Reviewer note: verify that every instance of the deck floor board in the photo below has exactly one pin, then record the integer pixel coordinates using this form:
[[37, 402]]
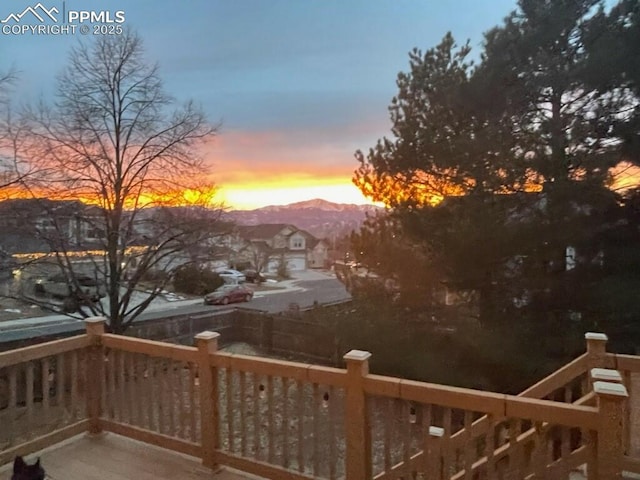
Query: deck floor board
[[112, 457]]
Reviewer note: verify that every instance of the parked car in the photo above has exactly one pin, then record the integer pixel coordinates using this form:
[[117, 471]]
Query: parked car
[[60, 287], [228, 294], [230, 275]]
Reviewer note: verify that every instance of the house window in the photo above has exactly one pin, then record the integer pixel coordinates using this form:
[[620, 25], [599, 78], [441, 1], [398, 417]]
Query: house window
[[47, 224], [297, 243], [95, 233]]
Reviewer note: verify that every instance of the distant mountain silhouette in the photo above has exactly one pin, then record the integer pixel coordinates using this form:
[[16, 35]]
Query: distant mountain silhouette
[[319, 217]]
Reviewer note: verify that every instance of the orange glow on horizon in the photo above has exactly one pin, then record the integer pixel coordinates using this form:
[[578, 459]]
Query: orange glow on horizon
[[236, 196], [248, 196], [291, 188]]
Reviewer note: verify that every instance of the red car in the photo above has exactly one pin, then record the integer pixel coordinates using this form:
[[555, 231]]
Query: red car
[[228, 294]]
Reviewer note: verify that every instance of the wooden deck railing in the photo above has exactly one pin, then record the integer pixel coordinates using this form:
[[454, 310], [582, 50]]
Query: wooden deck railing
[[42, 395], [289, 420], [628, 367]]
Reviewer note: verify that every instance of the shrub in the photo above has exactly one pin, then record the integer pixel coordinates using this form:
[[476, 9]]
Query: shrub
[[154, 275], [194, 280]]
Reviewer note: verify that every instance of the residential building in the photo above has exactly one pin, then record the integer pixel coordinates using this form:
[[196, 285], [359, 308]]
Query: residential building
[[269, 246], [43, 225]]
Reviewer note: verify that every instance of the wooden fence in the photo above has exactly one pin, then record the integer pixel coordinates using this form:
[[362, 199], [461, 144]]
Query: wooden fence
[[289, 420]]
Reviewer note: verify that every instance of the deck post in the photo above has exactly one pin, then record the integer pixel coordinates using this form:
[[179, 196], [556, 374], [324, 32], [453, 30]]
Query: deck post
[[207, 343], [432, 453], [94, 372], [610, 445], [596, 349], [357, 427]]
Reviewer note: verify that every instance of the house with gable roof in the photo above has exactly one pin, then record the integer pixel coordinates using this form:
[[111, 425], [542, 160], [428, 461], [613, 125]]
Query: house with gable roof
[[42, 225], [267, 246]]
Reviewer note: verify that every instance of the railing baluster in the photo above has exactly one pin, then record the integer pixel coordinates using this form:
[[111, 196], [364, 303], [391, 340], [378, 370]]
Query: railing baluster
[[164, 399], [490, 447], [242, 378], [113, 385], [426, 440], [122, 404], [333, 420], [469, 446], [406, 427], [446, 439], [229, 407], [111, 374], [256, 416], [285, 422], [60, 382], [316, 429], [550, 449], [271, 421], [584, 385], [538, 456], [565, 436], [173, 400], [387, 425], [45, 385], [182, 408], [150, 397], [626, 380], [160, 396], [29, 390], [85, 372], [140, 386], [300, 408], [131, 388], [515, 455], [192, 404], [13, 401], [75, 402], [104, 391], [163, 408], [433, 444]]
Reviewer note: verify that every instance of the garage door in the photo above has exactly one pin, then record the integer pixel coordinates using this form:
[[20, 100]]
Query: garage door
[[296, 264]]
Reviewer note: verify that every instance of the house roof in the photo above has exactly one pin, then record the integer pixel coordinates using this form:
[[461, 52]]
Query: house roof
[[259, 244], [33, 207], [311, 240], [264, 231]]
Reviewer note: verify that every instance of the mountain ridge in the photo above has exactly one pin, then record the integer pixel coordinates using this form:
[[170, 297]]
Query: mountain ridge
[[321, 218]]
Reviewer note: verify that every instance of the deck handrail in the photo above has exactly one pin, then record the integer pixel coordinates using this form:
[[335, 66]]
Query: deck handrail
[[48, 349], [194, 400]]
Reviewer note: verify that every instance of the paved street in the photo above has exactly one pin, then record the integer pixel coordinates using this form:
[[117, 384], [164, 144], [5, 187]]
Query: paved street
[[307, 288]]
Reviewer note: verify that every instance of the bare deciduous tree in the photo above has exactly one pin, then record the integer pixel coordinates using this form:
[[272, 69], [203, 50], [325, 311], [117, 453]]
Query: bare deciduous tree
[[14, 167], [259, 254], [113, 138]]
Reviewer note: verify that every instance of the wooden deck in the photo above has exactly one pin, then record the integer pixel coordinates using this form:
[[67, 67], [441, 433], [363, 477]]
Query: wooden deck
[[280, 419], [112, 457]]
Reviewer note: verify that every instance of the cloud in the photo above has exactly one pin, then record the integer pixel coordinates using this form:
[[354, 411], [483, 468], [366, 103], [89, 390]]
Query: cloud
[[265, 156]]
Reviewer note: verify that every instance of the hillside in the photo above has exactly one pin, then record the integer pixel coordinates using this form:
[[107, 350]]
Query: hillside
[[319, 217]]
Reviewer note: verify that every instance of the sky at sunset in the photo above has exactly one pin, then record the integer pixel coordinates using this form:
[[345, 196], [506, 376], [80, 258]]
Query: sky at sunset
[[298, 85]]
